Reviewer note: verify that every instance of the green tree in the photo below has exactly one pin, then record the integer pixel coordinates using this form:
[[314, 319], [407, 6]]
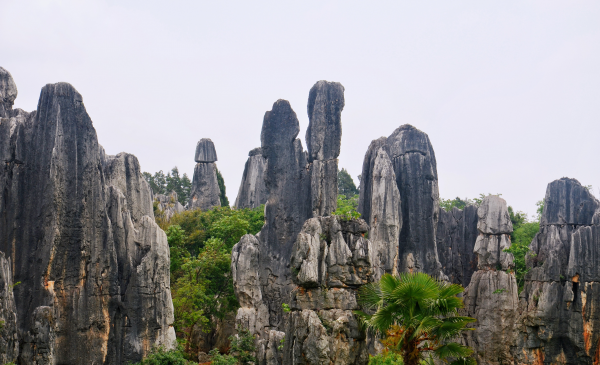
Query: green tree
[[418, 315], [457, 202], [346, 184], [346, 207], [222, 194], [242, 351], [204, 290], [172, 181]]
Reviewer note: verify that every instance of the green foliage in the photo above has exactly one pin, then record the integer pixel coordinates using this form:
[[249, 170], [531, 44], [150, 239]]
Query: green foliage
[[540, 209], [200, 246], [346, 185], [164, 184], [160, 356], [457, 202], [523, 235], [418, 315], [203, 290], [346, 207], [243, 347], [222, 194], [286, 308], [220, 222], [218, 359], [499, 291], [242, 350], [386, 358]]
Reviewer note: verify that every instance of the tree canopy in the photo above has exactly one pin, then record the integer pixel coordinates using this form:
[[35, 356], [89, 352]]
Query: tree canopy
[[346, 185], [172, 181], [418, 316]]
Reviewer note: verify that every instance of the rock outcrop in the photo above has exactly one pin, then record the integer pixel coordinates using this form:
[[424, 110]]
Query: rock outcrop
[[205, 187], [169, 205], [298, 188], [492, 294], [455, 239], [331, 259], [9, 340], [253, 191], [413, 159], [559, 321], [79, 229]]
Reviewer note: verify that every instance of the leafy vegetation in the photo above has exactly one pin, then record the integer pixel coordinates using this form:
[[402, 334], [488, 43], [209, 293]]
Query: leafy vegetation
[[200, 244], [418, 315], [346, 185], [160, 356], [346, 207], [242, 350], [164, 184], [523, 233], [222, 194]]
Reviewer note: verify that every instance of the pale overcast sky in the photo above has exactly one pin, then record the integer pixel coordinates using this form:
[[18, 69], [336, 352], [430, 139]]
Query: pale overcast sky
[[508, 91]]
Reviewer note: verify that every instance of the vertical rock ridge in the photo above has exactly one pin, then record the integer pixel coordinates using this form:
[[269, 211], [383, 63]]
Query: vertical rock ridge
[[558, 322], [58, 189], [296, 190], [253, 192], [455, 239], [492, 294], [205, 190]]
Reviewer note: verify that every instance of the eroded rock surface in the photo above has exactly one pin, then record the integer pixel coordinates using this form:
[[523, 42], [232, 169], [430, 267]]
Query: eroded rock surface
[[98, 292], [205, 187], [456, 236], [331, 259], [205, 151], [297, 190], [253, 191], [492, 294], [169, 205], [413, 160], [559, 321], [9, 340]]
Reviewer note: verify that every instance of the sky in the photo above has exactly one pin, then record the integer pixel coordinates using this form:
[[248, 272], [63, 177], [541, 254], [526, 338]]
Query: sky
[[508, 91]]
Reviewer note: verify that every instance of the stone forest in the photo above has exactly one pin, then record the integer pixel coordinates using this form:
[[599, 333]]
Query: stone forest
[[97, 266]]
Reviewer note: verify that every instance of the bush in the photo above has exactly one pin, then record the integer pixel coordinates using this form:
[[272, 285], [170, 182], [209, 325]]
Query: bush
[[160, 356], [386, 358], [346, 207]]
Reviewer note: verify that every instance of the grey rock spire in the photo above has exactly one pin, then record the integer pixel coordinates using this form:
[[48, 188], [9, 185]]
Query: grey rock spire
[[296, 191], [205, 187], [205, 151], [558, 323], [253, 190], [492, 295], [413, 160], [8, 93], [99, 290]]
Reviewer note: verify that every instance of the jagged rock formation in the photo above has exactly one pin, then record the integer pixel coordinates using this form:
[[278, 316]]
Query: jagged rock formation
[[297, 189], [385, 214], [253, 191], [492, 294], [79, 229], [9, 341], [205, 188], [415, 169], [331, 259], [455, 239], [168, 204], [205, 151], [559, 321]]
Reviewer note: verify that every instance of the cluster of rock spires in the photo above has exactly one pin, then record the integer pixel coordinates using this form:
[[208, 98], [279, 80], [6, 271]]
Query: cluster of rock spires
[[77, 231], [315, 262]]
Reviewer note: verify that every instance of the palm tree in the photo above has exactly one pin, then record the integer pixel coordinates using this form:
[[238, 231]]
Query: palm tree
[[419, 316]]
